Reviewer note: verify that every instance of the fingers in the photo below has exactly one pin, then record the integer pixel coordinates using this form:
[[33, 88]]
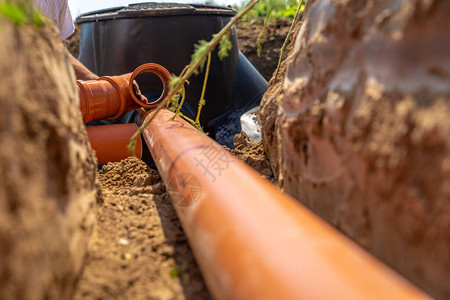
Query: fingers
[[138, 93]]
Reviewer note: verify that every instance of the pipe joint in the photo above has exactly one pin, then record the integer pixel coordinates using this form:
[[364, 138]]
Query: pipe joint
[[159, 71]]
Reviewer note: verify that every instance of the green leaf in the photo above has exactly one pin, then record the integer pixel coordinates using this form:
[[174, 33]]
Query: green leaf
[[38, 18], [200, 50], [174, 81], [17, 14], [225, 46], [175, 103], [175, 273], [21, 13]]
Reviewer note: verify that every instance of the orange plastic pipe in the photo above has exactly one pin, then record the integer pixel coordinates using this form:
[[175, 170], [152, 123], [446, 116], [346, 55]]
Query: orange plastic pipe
[[252, 241], [158, 70], [106, 97], [112, 96], [110, 141]]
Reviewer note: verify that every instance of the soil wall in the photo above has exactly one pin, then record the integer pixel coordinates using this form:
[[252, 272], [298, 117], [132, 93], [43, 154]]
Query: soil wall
[[360, 130], [271, 42], [47, 170]]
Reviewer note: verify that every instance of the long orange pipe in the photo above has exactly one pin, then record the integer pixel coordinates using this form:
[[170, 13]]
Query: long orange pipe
[[252, 241]]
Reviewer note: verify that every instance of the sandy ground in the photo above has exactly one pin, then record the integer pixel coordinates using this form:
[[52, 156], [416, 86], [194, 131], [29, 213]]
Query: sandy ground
[[138, 250]]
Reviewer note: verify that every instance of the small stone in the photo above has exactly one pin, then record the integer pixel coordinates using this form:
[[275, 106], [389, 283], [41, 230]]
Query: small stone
[[124, 242], [140, 181], [158, 188], [166, 251], [128, 256]]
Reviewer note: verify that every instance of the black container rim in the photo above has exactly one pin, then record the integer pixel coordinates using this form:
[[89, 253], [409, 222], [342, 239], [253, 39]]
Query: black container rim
[[145, 9]]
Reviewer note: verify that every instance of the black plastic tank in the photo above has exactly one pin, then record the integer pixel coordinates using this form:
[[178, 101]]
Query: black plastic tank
[[117, 40]]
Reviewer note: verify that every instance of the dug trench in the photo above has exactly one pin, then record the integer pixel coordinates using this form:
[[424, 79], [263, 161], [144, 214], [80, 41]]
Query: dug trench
[[371, 125]]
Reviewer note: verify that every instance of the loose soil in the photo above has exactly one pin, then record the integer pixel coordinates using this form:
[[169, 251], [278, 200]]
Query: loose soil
[[252, 154], [138, 250], [370, 154], [271, 43]]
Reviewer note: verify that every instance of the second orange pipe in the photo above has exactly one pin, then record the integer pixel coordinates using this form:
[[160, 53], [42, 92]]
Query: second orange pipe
[[110, 142]]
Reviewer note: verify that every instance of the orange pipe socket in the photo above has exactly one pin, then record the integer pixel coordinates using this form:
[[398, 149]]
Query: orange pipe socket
[[110, 141], [252, 241], [112, 96]]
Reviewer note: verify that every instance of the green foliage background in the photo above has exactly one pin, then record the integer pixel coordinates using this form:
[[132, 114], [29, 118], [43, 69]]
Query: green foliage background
[[280, 9], [21, 12]]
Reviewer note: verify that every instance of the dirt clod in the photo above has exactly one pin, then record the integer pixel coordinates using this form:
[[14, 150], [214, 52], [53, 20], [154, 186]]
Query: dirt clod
[[252, 153]]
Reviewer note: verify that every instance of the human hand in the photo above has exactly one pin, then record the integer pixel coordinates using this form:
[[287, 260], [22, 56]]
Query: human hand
[[138, 94]]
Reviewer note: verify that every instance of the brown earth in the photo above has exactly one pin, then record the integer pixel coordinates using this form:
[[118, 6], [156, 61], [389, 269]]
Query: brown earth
[[252, 154], [48, 178], [361, 132], [271, 43], [138, 250], [73, 42], [369, 152]]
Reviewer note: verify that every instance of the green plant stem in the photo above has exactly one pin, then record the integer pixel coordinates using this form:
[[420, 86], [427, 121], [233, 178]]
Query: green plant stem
[[266, 21], [202, 97], [191, 70], [183, 96], [189, 120], [192, 122], [286, 41]]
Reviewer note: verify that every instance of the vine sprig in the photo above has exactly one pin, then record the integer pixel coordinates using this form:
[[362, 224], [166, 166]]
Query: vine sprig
[[261, 34], [288, 37]]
